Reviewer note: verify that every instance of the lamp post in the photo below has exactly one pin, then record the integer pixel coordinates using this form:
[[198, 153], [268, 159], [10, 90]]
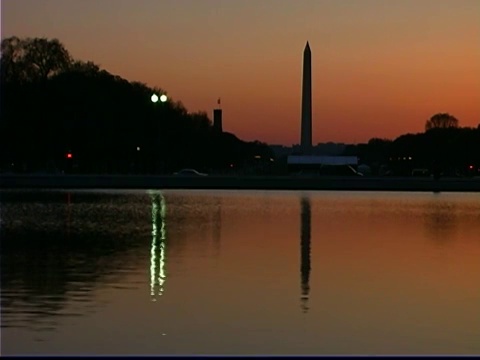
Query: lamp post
[[155, 99]]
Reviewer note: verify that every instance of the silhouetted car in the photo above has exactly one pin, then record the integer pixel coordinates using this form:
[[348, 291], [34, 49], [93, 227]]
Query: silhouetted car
[[189, 172]]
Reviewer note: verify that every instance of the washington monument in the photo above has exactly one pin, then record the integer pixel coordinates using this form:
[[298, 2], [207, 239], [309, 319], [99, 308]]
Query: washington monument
[[306, 131]]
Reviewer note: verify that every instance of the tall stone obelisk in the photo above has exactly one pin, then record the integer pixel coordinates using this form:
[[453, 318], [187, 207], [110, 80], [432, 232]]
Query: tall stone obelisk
[[306, 131]]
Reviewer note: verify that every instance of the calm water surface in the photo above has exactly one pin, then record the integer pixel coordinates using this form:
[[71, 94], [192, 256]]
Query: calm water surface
[[219, 272]]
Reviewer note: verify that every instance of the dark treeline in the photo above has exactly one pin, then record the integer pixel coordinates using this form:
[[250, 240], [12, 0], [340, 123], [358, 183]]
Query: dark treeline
[[53, 105], [444, 146]]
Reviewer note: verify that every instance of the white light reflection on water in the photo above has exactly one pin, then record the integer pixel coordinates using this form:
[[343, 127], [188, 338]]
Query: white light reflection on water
[[157, 269], [298, 273]]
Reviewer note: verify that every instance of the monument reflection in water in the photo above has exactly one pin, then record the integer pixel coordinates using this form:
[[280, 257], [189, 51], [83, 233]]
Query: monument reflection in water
[[305, 221], [225, 272]]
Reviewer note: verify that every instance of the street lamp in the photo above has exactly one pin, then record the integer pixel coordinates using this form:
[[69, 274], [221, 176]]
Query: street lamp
[[163, 98]]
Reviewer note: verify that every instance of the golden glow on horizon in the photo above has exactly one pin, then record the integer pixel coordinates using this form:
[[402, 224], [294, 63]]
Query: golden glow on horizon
[[380, 69]]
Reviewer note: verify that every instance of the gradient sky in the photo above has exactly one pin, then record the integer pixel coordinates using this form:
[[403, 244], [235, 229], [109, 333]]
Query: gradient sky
[[380, 68]]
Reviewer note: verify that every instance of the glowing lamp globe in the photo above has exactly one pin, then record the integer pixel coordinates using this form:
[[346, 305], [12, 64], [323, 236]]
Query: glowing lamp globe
[[154, 98], [163, 98]]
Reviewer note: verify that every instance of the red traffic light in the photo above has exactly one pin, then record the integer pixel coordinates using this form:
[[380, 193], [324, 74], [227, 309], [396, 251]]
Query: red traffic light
[[69, 155]]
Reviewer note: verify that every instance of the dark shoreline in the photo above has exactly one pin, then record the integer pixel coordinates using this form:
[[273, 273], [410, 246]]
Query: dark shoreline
[[238, 183]]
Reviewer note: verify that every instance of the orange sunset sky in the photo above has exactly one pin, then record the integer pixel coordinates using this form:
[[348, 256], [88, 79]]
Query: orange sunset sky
[[380, 68]]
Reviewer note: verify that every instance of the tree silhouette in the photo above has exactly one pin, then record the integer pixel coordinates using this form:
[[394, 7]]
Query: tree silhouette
[[53, 104], [33, 59], [441, 121], [11, 62]]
